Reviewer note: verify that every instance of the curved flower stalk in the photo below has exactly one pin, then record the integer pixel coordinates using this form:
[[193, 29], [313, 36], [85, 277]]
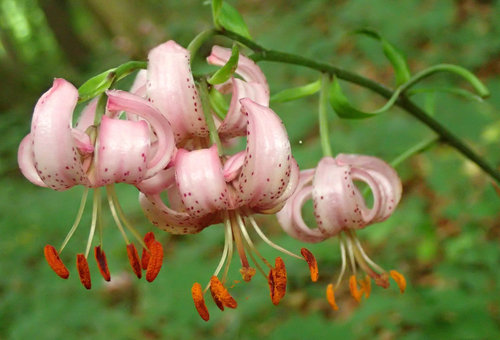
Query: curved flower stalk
[[257, 180], [254, 86], [58, 156], [340, 209]]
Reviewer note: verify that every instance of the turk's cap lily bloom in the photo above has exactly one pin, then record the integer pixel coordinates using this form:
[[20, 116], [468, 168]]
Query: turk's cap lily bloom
[[204, 189], [340, 209], [93, 154], [253, 85]]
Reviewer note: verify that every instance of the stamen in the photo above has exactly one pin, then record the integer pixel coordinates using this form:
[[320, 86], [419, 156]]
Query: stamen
[[148, 239], [268, 241], [330, 297], [199, 301], [382, 280], [344, 262], [155, 261], [400, 280], [277, 281], [83, 270], [311, 261], [94, 221], [119, 209], [102, 263], [366, 286], [133, 258], [351, 256], [365, 257], [353, 287], [228, 243], [220, 294], [252, 246], [77, 219], [246, 271], [55, 262], [115, 216]]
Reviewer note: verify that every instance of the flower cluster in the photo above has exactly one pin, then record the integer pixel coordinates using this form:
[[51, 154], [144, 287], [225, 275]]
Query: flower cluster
[[157, 137]]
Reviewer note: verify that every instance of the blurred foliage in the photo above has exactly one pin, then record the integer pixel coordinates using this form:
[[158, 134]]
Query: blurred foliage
[[444, 236]]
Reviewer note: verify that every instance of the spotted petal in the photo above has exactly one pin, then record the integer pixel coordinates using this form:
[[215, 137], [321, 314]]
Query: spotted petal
[[171, 88]]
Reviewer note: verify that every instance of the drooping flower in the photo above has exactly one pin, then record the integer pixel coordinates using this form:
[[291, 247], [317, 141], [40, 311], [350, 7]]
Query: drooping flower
[[204, 189], [93, 154], [340, 209]]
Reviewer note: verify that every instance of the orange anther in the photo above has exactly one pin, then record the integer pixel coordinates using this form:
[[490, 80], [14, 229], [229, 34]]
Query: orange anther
[[133, 258], [220, 294], [330, 297], [400, 280], [155, 261], [311, 261], [277, 281], [102, 263], [366, 286], [382, 280], [199, 301], [148, 239], [55, 262], [353, 287], [83, 270], [247, 273]]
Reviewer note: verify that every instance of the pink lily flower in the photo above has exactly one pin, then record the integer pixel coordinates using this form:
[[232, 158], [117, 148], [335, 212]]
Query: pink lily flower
[[230, 190], [340, 209], [254, 86], [56, 155]]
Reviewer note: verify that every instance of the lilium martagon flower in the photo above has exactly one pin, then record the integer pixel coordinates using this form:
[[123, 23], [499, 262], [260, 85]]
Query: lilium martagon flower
[[230, 190], [96, 154], [340, 210]]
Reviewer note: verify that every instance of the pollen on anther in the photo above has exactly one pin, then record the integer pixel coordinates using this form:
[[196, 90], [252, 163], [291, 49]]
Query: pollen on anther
[[55, 262], [102, 263], [353, 287], [330, 297], [400, 280], [155, 261], [148, 240], [199, 301], [311, 261], [133, 258], [221, 296], [277, 279], [83, 270]]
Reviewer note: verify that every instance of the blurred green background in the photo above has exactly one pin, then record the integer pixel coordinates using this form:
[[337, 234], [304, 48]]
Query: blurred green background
[[444, 237]]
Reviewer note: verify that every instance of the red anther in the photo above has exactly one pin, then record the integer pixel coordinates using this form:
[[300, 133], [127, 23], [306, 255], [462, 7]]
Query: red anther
[[155, 261], [83, 270], [220, 294], [102, 263], [55, 262], [199, 301], [277, 281], [133, 258], [311, 261], [148, 239]]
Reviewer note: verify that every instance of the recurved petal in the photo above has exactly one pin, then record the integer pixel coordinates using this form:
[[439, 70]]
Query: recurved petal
[[173, 221], [235, 122], [158, 182], [171, 88], [200, 181], [337, 201], [267, 168], [26, 163], [55, 155], [385, 178], [87, 116], [247, 68], [121, 151], [124, 101]]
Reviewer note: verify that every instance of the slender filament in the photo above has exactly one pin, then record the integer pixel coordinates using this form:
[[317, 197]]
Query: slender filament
[[94, 221], [77, 220], [344, 263], [113, 213]]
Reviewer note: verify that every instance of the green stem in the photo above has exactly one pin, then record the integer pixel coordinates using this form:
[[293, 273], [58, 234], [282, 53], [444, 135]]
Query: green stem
[[214, 136], [417, 148], [263, 54], [323, 116]]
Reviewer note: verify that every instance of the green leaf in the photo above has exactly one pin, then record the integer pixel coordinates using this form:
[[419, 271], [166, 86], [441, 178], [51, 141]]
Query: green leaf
[[216, 6], [229, 19], [218, 103], [395, 57], [125, 69], [96, 85], [225, 72], [296, 92]]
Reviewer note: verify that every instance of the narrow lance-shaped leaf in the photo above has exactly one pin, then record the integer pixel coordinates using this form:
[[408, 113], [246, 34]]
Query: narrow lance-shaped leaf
[[218, 103], [341, 105], [296, 92], [96, 85], [225, 72], [395, 57], [216, 6], [229, 19]]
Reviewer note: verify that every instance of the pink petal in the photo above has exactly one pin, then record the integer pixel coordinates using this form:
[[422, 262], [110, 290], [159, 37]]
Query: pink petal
[[172, 221], [56, 158], [158, 182], [235, 122], [121, 151], [87, 116], [386, 179], [247, 68], [233, 166], [139, 85], [200, 181], [82, 142], [26, 163], [121, 100], [337, 201], [171, 89], [268, 163]]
